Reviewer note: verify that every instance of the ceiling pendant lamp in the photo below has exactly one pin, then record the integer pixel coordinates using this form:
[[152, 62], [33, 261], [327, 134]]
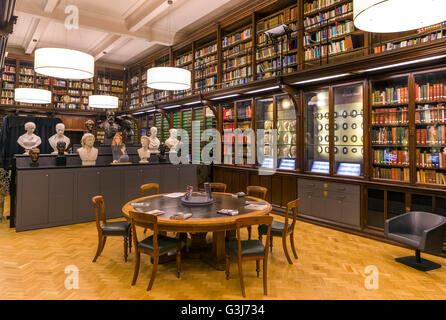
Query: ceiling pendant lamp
[[168, 78], [63, 63], [31, 95], [103, 102], [397, 15]]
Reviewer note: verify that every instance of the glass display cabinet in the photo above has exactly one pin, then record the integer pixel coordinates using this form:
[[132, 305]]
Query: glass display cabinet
[[158, 125], [264, 120], [390, 129], [198, 115], [228, 117], [286, 133], [244, 122], [348, 130], [317, 129], [430, 123]]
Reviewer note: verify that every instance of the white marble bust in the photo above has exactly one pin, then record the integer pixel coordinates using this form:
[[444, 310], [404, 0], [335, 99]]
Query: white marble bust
[[144, 152], [59, 136], [154, 142], [88, 153], [172, 141], [29, 140]]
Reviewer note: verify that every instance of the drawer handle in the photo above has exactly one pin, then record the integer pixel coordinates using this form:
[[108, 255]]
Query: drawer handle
[[341, 189], [340, 197]]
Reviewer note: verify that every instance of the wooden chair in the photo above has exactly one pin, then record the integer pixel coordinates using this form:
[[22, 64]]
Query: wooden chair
[[218, 186], [149, 186], [249, 249], [280, 229], [155, 245], [108, 229], [259, 192]]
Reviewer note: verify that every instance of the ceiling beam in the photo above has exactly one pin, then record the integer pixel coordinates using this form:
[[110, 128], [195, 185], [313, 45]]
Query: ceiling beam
[[50, 5], [87, 20], [109, 43], [146, 13], [39, 29]]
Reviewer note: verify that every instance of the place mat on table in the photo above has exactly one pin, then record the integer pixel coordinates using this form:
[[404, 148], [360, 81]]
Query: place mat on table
[[181, 216], [228, 212], [174, 195], [155, 212], [260, 203], [256, 207]]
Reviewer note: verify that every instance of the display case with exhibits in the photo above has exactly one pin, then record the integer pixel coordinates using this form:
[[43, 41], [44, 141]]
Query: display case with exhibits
[[265, 120], [317, 129], [390, 129], [348, 130], [244, 123], [286, 133], [228, 127]]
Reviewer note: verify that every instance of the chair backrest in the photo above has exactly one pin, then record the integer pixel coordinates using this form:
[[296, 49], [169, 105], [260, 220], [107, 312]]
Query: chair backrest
[[292, 205], [251, 221], [218, 186], [421, 221], [257, 191], [99, 209], [147, 220], [148, 186]]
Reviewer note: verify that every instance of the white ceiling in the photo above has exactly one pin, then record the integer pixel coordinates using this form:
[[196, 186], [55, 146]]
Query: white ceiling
[[113, 31]]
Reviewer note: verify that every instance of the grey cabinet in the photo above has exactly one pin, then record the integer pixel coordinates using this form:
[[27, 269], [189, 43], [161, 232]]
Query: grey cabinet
[[335, 202], [54, 197]]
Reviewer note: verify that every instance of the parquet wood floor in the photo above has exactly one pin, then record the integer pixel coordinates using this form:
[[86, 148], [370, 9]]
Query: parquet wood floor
[[330, 266]]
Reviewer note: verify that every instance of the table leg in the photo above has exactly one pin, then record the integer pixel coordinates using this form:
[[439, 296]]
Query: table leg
[[216, 258]]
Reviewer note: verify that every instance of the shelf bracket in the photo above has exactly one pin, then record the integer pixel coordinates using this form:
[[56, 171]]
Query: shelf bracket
[[165, 115], [211, 106]]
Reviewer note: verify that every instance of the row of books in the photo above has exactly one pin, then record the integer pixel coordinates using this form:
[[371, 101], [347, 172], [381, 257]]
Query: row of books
[[237, 62], [103, 80], [118, 83], [59, 83], [334, 47], [390, 95], [236, 82], [431, 135], [27, 71], [270, 23], [206, 82], [185, 58], [242, 48], [390, 157], [7, 94], [7, 101], [200, 63], [8, 85], [400, 174], [88, 86], [324, 17], [103, 87], [431, 159], [9, 69], [408, 43], [430, 114], [239, 36], [206, 51], [8, 77], [238, 73], [329, 33], [312, 6], [394, 135], [206, 72], [430, 91], [390, 116], [430, 176], [26, 79]]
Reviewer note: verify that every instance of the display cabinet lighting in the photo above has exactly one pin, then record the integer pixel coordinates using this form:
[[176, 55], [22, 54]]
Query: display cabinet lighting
[[261, 90], [403, 63], [171, 107], [323, 78], [191, 103], [226, 97]]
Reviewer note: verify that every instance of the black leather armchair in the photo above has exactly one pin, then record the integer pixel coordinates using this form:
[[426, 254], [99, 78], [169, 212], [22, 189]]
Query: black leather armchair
[[422, 231]]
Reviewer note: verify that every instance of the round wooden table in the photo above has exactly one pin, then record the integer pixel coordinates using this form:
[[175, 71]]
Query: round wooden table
[[204, 219]]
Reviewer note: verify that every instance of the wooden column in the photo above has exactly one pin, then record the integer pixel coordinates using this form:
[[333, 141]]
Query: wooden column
[[193, 67], [254, 46], [219, 56], [300, 28]]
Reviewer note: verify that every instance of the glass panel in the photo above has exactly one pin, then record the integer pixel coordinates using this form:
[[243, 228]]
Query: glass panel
[[421, 203], [264, 120], [375, 210], [211, 120], [440, 206], [390, 133], [287, 138], [348, 129], [186, 124], [158, 120], [244, 122], [316, 128], [228, 127], [396, 203], [198, 115], [430, 121]]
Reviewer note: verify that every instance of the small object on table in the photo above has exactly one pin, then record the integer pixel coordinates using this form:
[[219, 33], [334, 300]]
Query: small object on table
[[256, 206], [228, 212], [181, 216], [255, 202], [239, 195], [207, 188], [188, 192], [155, 212], [174, 195]]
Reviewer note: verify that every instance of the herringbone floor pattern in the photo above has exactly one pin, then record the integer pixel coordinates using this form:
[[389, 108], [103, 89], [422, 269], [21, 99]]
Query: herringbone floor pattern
[[330, 266]]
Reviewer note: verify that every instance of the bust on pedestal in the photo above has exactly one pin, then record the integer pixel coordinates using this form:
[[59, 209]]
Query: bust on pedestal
[[172, 141], [34, 153], [154, 142], [110, 127], [88, 153], [144, 152], [59, 137], [29, 140], [61, 160]]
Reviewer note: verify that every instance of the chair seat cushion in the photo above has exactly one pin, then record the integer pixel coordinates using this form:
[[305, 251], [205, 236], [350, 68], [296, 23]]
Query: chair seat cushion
[[164, 243], [118, 228], [409, 239], [249, 247], [276, 228]]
